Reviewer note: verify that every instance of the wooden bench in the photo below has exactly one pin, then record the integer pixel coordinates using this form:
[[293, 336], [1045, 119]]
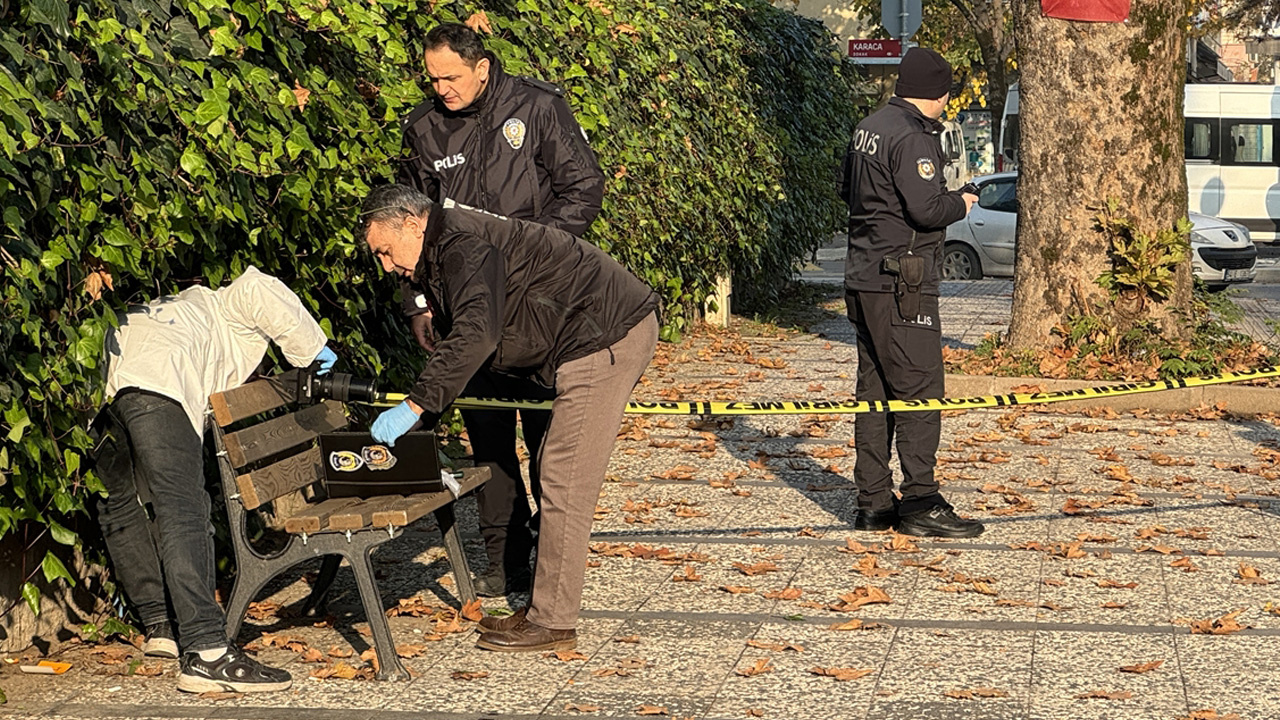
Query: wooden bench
[[274, 467]]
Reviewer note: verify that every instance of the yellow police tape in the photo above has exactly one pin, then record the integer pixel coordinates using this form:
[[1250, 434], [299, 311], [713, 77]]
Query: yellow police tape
[[808, 407]]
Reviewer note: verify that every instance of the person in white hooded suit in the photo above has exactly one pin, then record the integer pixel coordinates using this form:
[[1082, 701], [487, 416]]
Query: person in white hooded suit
[[162, 363]]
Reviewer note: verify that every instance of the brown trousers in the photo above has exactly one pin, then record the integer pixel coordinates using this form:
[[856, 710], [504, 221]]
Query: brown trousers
[[591, 397]]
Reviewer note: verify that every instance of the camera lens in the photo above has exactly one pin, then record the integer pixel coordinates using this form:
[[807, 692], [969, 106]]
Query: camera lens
[[345, 387]]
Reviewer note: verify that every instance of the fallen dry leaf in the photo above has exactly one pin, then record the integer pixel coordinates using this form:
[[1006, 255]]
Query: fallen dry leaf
[[862, 595], [759, 667], [756, 569], [1224, 625], [868, 566], [842, 674], [1210, 715], [1116, 584], [690, 575], [787, 594], [566, 655], [410, 651], [1141, 667], [1105, 695], [737, 589], [468, 674], [575, 707], [652, 710], [1249, 575], [854, 624]]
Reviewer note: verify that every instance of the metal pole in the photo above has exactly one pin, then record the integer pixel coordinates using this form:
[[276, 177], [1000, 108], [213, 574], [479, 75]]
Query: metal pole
[[902, 28]]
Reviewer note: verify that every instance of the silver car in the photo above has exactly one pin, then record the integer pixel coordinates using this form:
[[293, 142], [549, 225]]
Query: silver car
[[981, 245]]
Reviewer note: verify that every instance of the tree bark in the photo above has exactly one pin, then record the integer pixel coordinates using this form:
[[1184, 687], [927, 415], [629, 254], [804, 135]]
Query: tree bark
[[989, 20], [1101, 117]]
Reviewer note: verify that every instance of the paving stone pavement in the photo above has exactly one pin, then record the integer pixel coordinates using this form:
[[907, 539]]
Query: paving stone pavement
[[1108, 536]]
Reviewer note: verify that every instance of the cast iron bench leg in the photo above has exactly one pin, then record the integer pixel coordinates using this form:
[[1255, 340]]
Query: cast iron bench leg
[[389, 667], [251, 577], [448, 524]]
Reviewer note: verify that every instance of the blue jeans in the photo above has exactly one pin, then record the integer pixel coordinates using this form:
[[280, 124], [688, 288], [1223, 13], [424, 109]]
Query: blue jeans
[[152, 455]]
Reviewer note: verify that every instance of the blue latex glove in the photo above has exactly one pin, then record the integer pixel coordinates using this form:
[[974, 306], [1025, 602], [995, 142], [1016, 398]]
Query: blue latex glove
[[393, 423], [326, 358]]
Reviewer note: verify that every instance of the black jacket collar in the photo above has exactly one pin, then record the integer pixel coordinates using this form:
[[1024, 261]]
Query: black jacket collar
[[430, 244], [929, 123]]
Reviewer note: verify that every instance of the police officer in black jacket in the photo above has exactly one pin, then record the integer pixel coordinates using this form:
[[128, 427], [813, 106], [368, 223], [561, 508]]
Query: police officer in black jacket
[[508, 145], [899, 209]]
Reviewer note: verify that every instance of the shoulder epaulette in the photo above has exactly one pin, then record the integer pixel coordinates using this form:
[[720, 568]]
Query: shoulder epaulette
[[542, 85], [417, 113]]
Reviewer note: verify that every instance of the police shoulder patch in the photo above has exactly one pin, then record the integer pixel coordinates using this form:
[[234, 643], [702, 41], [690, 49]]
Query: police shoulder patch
[[926, 168], [542, 85]]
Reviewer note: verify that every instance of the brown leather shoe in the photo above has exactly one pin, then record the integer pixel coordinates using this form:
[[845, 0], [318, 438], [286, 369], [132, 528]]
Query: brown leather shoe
[[494, 623], [528, 636]]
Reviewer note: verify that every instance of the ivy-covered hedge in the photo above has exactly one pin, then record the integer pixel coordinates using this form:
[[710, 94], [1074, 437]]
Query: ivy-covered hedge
[[148, 144]]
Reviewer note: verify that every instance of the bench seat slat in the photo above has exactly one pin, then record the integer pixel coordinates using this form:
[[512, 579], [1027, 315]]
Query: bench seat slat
[[416, 506], [360, 515], [281, 434], [254, 398], [313, 517]]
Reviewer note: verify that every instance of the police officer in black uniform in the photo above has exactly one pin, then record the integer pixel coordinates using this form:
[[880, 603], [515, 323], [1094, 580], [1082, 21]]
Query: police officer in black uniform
[[899, 208], [507, 145]]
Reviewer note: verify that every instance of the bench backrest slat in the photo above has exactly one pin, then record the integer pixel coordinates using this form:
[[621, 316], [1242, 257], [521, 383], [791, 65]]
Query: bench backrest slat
[[254, 398], [278, 435], [266, 484]]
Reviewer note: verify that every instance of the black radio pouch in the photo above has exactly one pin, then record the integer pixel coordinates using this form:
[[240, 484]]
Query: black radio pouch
[[908, 271], [907, 286]]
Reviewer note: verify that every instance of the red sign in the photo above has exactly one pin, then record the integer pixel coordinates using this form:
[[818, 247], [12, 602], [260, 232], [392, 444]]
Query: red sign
[[1087, 10], [874, 48]]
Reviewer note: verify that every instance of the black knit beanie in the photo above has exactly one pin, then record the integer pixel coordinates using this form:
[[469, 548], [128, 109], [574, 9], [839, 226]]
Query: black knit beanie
[[923, 74]]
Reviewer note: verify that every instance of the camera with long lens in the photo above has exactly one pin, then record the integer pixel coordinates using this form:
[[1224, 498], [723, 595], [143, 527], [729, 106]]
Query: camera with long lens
[[343, 387]]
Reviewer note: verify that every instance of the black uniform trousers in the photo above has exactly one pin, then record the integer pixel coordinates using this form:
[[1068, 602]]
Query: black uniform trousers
[[898, 359], [502, 502]]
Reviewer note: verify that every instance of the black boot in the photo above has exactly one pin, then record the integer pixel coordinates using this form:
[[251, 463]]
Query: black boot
[[939, 521], [875, 520]]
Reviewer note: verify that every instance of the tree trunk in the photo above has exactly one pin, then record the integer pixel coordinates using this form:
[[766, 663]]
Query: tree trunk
[[989, 21], [1101, 117]]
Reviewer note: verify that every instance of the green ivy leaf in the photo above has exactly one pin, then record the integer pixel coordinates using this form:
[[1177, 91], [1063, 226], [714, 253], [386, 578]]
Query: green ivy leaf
[[54, 569], [32, 595], [192, 162], [61, 535]]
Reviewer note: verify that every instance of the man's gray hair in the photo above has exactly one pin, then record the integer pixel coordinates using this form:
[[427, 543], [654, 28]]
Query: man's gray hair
[[391, 204]]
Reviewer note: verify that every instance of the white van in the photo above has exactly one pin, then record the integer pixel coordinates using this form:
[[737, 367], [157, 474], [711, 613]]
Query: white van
[[1233, 168]]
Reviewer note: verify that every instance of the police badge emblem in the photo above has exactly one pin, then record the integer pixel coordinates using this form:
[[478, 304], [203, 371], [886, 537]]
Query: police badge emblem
[[513, 131], [925, 167], [378, 457], [345, 461]]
